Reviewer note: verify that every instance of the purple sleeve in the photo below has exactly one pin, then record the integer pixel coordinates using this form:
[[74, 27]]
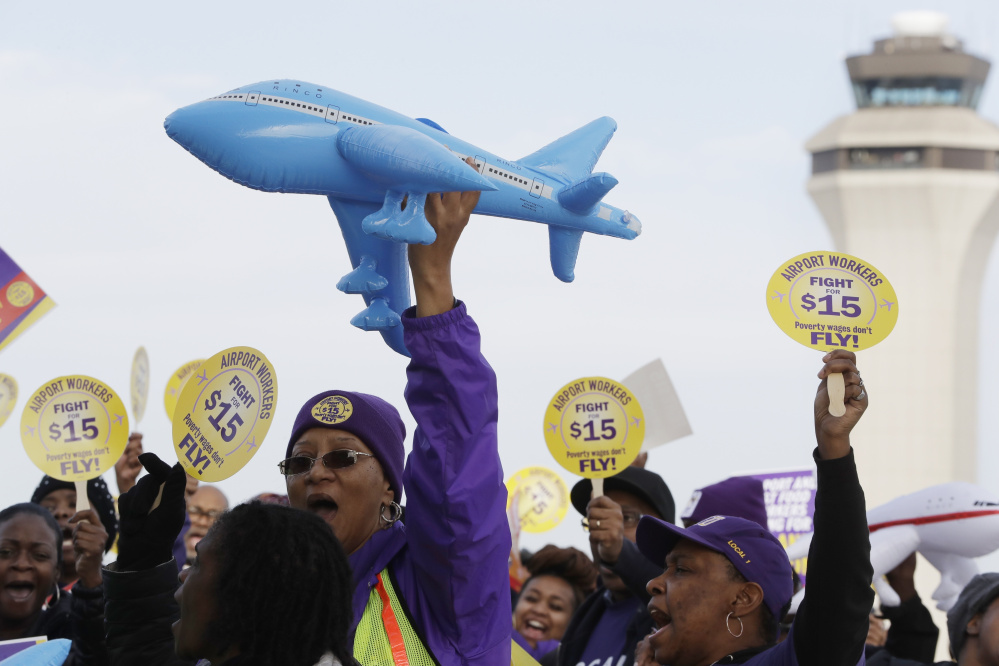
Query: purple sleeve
[[456, 524]]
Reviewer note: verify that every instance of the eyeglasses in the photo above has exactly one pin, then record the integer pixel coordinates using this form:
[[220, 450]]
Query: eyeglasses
[[198, 512], [338, 459], [631, 519]]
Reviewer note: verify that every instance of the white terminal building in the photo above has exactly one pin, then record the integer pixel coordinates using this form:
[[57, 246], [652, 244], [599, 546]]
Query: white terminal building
[[910, 183]]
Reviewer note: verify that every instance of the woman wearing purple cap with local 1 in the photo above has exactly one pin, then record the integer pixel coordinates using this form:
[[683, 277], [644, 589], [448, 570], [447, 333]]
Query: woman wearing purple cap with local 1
[[435, 590], [727, 581]]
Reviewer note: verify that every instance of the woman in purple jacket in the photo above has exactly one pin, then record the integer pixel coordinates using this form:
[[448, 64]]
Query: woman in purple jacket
[[435, 590]]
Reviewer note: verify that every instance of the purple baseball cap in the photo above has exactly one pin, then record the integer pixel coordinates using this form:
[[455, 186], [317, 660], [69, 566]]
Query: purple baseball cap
[[753, 551]]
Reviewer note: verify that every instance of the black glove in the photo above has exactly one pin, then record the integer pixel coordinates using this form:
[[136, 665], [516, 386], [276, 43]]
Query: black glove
[[146, 534]]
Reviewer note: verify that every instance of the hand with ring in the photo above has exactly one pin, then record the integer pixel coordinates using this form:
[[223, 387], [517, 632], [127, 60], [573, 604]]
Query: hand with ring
[[606, 520], [833, 432]]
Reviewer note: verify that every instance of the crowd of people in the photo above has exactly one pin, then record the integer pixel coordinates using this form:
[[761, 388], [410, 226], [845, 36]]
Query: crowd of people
[[373, 558]]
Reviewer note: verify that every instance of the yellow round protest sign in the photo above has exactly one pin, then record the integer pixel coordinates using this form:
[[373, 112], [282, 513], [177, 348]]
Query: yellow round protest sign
[[541, 498], [8, 397], [176, 384], [594, 427], [831, 300], [74, 428], [140, 383], [224, 413]]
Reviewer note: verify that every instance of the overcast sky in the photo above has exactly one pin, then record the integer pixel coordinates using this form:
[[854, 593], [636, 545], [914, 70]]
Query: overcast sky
[[140, 244]]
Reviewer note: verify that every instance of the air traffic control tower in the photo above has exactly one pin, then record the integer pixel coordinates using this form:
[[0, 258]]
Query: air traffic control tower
[[910, 183]]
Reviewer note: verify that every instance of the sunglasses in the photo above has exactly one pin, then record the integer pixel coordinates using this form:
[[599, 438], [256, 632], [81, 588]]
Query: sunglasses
[[333, 460]]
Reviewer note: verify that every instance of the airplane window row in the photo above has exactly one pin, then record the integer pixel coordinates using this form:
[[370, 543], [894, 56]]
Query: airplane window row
[[352, 119], [297, 104], [309, 107], [505, 175]]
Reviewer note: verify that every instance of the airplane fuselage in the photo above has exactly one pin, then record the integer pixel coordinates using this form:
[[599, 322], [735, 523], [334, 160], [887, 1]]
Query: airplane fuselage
[[942, 515], [281, 136]]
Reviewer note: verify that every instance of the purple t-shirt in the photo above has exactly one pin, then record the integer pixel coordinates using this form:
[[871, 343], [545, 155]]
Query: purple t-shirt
[[607, 642], [179, 548]]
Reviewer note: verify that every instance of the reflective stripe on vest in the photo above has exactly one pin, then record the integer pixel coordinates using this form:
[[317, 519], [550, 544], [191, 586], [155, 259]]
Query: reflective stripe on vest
[[392, 629], [384, 636]]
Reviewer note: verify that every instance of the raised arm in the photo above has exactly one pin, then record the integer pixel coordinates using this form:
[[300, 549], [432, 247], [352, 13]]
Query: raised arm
[[139, 588], [831, 624], [448, 214], [455, 498]]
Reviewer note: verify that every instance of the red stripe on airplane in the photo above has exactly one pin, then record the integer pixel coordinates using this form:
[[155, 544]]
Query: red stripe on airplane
[[925, 520]]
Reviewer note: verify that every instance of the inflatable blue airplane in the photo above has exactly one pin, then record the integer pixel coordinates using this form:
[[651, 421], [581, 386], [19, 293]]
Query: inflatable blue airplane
[[290, 136]]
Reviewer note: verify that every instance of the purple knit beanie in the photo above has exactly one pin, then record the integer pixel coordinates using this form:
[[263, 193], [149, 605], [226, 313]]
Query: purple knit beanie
[[739, 496], [369, 418]]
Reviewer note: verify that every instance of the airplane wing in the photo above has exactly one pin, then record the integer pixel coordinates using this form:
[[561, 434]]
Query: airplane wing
[[889, 548], [380, 273], [410, 165]]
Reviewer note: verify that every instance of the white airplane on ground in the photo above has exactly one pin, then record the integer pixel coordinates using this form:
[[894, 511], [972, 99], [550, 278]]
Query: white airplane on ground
[[949, 524]]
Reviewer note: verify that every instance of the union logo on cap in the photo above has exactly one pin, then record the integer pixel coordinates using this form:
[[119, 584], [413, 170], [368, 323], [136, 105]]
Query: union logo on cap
[[332, 410], [710, 521]]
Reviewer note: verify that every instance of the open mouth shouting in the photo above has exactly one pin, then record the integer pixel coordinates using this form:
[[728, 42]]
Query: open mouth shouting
[[323, 506], [660, 619], [20, 593]]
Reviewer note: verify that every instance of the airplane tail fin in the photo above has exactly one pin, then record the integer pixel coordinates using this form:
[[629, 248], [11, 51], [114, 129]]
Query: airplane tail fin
[[581, 196], [571, 159], [574, 155]]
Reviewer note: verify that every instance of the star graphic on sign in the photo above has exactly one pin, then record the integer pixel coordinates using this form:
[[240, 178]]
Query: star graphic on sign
[[552, 427], [118, 418], [203, 377], [173, 391], [637, 421]]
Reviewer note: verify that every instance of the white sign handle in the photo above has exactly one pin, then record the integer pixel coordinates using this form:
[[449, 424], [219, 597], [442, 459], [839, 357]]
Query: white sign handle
[[82, 501], [598, 487], [836, 388]]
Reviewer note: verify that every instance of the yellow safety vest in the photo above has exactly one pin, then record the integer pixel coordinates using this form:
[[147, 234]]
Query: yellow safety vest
[[385, 637]]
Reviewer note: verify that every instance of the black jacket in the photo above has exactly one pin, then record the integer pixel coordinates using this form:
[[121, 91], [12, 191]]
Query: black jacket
[[79, 617], [140, 612], [912, 634], [636, 572]]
